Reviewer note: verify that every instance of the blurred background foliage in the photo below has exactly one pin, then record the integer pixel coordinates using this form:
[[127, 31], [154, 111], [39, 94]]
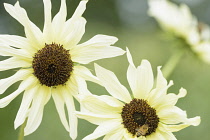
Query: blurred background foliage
[[128, 20]]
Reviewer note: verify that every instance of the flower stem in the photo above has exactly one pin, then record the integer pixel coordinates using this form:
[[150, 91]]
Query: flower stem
[[21, 132], [171, 64]]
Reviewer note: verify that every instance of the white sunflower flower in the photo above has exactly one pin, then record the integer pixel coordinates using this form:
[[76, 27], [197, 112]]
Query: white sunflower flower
[[48, 63], [148, 113]]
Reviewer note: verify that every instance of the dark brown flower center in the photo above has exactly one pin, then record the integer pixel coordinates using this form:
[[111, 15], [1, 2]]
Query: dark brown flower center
[[139, 118], [52, 65]]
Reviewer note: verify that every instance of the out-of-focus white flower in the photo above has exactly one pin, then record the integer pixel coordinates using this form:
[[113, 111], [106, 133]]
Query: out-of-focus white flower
[[203, 51], [148, 113], [175, 19], [204, 31], [179, 21]]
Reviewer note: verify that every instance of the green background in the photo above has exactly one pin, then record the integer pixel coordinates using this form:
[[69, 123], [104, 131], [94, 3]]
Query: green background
[[127, 20]]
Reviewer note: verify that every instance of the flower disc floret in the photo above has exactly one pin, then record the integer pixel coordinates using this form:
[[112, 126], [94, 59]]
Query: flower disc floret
[[138, 113], [52, 65]]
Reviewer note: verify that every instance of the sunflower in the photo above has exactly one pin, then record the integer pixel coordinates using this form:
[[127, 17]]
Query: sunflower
[[148, 113], [49, 63]]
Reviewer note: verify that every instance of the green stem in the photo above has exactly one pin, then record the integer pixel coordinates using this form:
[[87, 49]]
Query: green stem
[[171, 64], [21, 132]]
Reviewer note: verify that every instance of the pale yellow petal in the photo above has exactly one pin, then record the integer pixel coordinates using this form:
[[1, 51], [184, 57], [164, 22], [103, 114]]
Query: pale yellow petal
[[32, 32], [74, 34], [115, 135], [12, 63], [97, 104], [96, 48], [157, 96], [73, 121], [144, 80], [36, 110], [111, 101], [171, 98], [161, 81], [17, 42], [47, 31], [83, 72], [58, 22], [97, 118], [112, 84], [103, 129], [10, 51], [30, 81], [59, 104], [129, 57], [192, 121], [80, 9], [161, 135], [24, 107], [7, 82], [172, 115]]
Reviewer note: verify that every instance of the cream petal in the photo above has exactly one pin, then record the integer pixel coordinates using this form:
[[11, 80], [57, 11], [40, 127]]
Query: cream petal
[[83, 72], [73, 121], [97, 118], [168, 136], [36, 111], [100, 40], [129, 136], [140, 79], [58, 22], [160, 135], [68, 27], [115, 135], [192, 121], [145, 80], [24, 107], [172, 115], [171, 98], [157, 96], [163, 130], [155, 136], [72, 86], [23, 86], [131, 77], [96, 48], [111, 101], [103, 129], [80, 9], [47, 31], [74, 35], [7, 82], [131, 73], [59, 103], [10, 51], [82, 86], [18, 42], [161, 81], [129, 57], [74, 28], [32, 32], [112, 84], [12, 63], [98, 106]]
